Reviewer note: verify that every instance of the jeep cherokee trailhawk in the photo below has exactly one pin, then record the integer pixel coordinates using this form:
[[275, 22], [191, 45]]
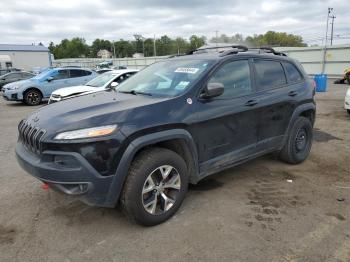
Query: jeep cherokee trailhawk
[[174, 123]]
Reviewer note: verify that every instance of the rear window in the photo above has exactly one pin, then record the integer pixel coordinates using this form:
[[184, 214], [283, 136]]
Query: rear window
[[270, 74], [292, 73]]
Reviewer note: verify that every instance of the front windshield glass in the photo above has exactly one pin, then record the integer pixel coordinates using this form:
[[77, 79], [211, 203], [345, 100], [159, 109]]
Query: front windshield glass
[[101, 80], [165, 78], [44, 75]]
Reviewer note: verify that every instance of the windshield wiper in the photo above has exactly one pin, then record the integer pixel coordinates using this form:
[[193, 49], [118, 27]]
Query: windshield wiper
[[134, 92]]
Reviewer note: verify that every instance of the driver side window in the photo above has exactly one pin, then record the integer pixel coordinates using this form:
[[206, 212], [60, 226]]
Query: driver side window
[[235, 76], [62, 74]]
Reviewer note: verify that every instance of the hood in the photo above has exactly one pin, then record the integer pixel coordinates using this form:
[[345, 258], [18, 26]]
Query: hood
[[72, 90], [101, 108], [21, 83]]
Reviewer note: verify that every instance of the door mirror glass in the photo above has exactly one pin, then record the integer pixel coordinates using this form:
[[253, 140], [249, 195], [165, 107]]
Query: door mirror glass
[[114, 84], [213, 90]]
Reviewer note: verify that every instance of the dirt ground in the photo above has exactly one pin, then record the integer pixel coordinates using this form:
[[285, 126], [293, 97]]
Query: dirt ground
[[263, 210]]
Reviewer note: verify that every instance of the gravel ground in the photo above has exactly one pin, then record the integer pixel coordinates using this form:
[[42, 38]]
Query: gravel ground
[[247, 213]]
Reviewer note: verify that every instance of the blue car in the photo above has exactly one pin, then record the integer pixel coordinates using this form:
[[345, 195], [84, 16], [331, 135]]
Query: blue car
[[32, 91]]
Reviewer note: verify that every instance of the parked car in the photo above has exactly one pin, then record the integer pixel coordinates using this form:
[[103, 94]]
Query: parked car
[[13, 77], [102, 82], [347, 101], [32, 91], [143, 143], [8, 70]]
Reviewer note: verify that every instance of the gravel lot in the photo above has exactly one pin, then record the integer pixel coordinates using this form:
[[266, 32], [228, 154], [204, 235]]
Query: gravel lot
[[247, 213]]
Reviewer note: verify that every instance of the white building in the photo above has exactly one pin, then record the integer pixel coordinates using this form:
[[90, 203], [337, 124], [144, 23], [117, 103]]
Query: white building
[[104, 54], [24, 57]]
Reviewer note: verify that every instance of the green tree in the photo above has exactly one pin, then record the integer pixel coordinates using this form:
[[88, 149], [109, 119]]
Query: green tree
[[197, 41], [100, 44], [124, 48]]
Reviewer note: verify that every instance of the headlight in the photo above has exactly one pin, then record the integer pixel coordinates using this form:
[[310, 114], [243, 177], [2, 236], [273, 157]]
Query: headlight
[[86, 133], [12, 87]]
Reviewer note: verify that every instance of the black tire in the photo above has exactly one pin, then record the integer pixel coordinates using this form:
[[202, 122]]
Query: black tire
[[133, 198], [348, 110], [299, 141], [32, 97]]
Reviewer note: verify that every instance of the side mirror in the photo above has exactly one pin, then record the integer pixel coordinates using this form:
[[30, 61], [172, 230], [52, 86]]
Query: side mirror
[[49, 79], [114, 84], [213, 90]]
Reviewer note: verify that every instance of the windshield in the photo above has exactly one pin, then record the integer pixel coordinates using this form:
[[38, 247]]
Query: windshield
[[101, 80], [166, 78], [44, 75]]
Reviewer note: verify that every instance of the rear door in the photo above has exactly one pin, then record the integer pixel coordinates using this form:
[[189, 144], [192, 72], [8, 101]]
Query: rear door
[[78, 77], [276, 102], [226, 129], [60, 79]]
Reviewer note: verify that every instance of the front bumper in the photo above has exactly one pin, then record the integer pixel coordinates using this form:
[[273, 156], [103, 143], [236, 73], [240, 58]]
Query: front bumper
[[67, 172], [11, 95]]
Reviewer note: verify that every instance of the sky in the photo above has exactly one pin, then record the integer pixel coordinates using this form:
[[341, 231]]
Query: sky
[[33, 21]]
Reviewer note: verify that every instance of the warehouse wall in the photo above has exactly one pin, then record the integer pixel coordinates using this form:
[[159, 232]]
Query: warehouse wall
[[337, 59], [27, 60]]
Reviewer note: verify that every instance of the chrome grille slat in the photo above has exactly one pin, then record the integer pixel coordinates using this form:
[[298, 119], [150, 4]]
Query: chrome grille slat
[[30, 136]]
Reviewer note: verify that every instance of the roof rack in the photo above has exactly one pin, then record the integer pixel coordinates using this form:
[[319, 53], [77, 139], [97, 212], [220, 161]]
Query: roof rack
[[234, 49], [267, 49]]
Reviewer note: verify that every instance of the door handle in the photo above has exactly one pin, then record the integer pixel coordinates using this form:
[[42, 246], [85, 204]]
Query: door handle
[[292, 93], [251, 102]]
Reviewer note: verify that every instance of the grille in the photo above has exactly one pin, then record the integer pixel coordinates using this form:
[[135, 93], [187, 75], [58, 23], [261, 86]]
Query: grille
[[30, 136]]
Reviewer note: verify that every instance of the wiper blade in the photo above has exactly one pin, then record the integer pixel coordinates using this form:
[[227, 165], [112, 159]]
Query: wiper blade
[[134, 92]]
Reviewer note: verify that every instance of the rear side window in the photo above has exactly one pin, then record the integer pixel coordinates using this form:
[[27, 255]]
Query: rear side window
[[235, 76], [269, 74], [77, 73], [292, 73]]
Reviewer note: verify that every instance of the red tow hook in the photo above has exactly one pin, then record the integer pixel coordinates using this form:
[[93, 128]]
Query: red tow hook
[[45, 186]]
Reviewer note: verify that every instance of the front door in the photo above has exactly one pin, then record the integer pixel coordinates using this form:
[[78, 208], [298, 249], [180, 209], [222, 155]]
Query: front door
[[226, 129]]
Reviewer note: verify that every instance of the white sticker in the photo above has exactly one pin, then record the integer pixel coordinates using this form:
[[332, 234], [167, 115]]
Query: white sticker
[[189, 101], [182, 85], [187, 70]]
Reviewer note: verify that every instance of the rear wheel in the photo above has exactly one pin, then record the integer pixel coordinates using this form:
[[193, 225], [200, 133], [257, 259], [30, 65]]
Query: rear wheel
[[299, 141], [32, 97], [155, 187], [348, 110]]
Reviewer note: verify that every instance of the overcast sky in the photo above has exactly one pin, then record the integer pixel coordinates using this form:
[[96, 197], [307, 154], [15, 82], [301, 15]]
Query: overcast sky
[[34, 21]]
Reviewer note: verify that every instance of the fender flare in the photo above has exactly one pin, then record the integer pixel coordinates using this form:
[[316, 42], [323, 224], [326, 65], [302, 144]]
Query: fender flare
[[297, 111], [136, 145]]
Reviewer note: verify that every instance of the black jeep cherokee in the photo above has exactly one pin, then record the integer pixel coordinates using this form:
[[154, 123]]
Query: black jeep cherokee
[[174, 123]]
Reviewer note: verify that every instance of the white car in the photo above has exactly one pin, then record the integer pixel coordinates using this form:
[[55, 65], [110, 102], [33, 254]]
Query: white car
[[102, 82], [347, 101]]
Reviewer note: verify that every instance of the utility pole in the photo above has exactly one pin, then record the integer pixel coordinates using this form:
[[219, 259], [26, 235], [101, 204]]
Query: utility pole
[[113, 49], [325, 43], [154, 46], [332, 17]]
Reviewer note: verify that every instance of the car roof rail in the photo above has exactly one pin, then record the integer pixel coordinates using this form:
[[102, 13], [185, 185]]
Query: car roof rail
[[267, 49]]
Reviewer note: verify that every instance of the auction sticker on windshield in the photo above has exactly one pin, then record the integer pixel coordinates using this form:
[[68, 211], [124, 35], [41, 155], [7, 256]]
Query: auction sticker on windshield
[[187, 70]]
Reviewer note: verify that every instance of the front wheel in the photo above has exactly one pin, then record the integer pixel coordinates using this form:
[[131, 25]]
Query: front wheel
[[299, 141], [155, 187], [32, 97]]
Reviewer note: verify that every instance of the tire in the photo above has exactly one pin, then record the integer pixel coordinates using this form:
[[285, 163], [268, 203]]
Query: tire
[[137, 198], [348, 110], [299, 141], [32, 97]]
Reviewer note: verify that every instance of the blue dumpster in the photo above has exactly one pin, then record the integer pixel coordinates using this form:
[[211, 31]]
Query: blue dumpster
[[321, 82]]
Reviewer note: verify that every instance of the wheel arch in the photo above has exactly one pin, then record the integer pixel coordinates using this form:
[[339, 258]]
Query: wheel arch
[[32, 88], [306, 110], [178, 140]]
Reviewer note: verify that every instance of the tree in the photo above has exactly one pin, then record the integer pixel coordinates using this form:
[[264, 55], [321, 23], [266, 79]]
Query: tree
[[100, 44], [196, 41], [124, 48]]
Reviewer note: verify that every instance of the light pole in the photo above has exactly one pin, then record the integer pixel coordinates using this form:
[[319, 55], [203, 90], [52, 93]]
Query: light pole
[[332, 17], [325, 44]]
